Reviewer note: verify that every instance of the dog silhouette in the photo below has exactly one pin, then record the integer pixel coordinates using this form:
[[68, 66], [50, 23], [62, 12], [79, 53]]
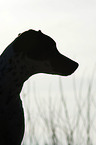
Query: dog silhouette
[[30, 53]]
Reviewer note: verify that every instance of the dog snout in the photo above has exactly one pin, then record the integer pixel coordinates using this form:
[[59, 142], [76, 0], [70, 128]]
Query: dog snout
[[62, 65]]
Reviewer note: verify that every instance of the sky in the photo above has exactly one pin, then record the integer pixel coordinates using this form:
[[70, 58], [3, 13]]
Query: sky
[[71, 23]]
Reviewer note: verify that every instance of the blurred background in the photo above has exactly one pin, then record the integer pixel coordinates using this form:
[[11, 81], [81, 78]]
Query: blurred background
[[58, 110]]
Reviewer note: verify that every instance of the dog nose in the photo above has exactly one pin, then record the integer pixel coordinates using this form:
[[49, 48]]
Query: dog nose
[[70, 67], [62, 65]]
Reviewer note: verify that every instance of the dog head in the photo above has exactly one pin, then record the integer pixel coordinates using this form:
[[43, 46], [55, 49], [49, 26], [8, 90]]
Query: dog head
[[41, 49]]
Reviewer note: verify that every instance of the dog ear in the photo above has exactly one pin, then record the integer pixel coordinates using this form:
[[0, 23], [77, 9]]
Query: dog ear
[[39, 31], [19, 34]]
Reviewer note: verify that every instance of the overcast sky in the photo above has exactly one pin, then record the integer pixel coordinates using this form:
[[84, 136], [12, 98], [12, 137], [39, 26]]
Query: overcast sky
[[71, 23]]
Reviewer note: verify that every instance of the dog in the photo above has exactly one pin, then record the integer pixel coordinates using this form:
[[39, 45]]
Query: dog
[[30, 53]]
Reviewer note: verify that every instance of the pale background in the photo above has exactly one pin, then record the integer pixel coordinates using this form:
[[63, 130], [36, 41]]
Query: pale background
[[71, 23]]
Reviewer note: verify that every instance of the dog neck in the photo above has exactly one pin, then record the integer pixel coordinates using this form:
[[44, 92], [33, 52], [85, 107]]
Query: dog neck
[[14, 71]]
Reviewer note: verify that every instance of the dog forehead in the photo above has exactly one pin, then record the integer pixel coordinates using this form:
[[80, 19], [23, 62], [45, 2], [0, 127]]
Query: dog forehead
[[31, 42], [38, 35], [30, 32]]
